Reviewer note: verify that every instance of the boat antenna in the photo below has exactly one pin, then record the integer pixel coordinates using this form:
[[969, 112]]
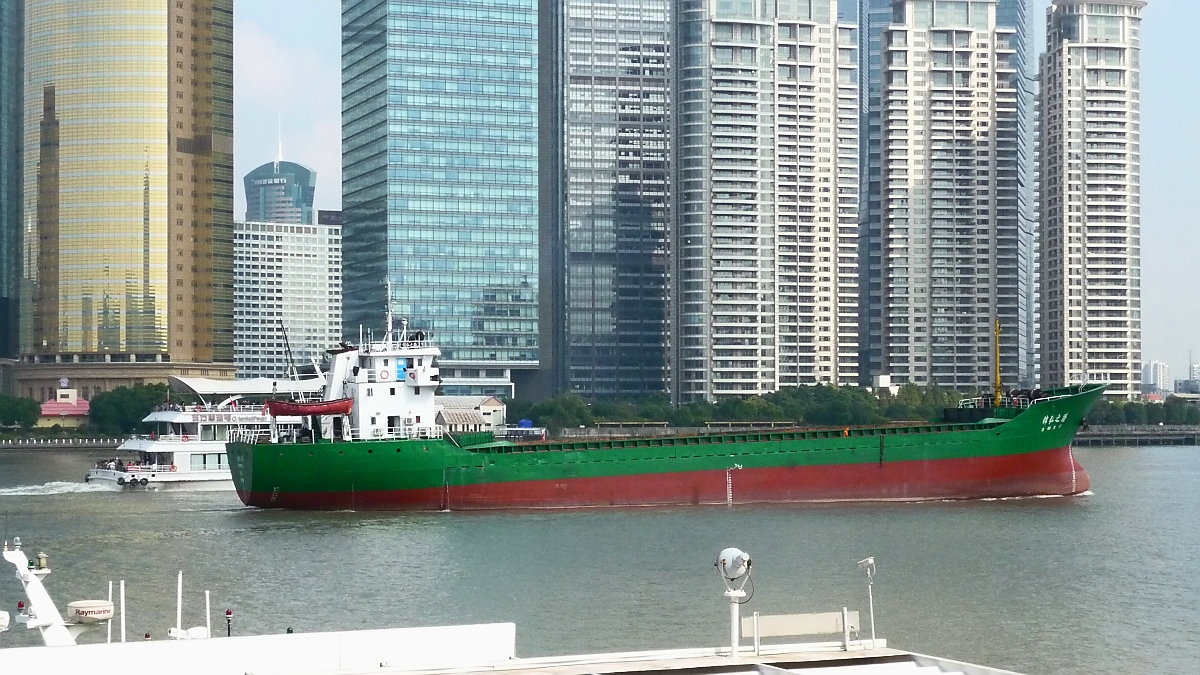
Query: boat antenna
[[999, 385]]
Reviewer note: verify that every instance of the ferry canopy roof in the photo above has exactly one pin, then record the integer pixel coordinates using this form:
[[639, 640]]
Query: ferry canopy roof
[[259, 386]]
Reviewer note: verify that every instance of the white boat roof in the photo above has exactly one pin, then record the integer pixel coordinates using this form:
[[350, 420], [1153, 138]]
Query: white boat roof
[[204, 386]]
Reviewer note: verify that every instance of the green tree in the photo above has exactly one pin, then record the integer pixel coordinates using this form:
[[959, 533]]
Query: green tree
[[16, 411], [1174, 410], [1155, 413], [1192, 416], [121, 410], [1135, 413]]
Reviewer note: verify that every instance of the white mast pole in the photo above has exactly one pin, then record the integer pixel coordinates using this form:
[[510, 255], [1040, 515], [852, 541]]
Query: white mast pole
[[207, 616], [179, 605], [110, 620], [122, 610]]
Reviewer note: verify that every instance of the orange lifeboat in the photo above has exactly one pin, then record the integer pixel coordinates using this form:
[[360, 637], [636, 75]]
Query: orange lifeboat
[[341, 406]]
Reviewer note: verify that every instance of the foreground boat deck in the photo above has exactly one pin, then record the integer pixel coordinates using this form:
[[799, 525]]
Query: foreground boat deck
[[809, 659]]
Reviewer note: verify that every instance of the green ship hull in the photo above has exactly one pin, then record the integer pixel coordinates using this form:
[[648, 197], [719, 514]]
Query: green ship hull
[[1010, 453]]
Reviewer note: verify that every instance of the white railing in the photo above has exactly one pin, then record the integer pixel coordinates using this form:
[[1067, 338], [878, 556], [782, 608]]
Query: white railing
[[248, 435], [990, 402]]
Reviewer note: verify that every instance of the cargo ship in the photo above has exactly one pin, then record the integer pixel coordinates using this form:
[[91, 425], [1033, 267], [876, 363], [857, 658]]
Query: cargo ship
[[386, 451]]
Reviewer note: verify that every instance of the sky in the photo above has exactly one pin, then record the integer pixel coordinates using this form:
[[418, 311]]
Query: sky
[[287, 58]]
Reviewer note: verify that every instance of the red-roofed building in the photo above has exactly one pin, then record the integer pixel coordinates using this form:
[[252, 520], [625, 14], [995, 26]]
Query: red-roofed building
[[65, 410]]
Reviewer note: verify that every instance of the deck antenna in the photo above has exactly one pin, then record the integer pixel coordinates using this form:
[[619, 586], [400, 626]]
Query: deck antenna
[[999, 386], [388, 307]]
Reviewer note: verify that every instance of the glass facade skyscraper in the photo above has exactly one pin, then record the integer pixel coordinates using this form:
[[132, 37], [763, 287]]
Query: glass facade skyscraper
[[440, 180], [280, 192], [606, 90], [11, 39], [128, 192]]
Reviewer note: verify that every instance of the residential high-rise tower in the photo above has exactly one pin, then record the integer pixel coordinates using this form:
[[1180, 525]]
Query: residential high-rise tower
[[128, 193], [950, 228], [440, 180], [1091, 195], [1012, 16], [766, 184]]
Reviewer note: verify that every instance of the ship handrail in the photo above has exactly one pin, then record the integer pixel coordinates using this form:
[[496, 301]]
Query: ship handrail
[[737, 437]]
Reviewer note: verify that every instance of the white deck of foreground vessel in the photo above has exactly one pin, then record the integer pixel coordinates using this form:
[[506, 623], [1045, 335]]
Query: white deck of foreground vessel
[[456, 650], [796, 659]]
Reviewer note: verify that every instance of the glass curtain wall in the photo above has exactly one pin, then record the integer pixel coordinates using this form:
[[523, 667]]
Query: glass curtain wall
[[440, 177]]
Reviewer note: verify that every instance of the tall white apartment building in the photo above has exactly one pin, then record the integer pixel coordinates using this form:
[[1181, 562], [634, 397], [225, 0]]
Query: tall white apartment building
[[1091, 195], [951, 260], [287, 296], [1157, 375], [766, 197]]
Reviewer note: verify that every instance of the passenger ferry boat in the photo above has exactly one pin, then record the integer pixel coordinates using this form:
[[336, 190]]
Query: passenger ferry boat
[[186, 449]]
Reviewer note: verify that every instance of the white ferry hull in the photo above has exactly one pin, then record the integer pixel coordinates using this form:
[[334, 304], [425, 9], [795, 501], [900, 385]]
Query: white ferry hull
[[212, 481]]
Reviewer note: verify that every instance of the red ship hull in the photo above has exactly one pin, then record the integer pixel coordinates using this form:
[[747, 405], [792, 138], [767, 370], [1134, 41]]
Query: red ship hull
[[1047, 472]]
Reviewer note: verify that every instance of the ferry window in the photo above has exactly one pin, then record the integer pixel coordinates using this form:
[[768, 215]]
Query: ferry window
[[222, 460], [385, 362], [207, 432], [197, 462], [420, 362]]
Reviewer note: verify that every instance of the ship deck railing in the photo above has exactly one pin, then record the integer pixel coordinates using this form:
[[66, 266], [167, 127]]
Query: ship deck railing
[[749, 436], [209, 408]]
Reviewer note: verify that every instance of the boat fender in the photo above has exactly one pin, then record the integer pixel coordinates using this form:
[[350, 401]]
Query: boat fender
[[173, 469], [144, 481], [186, 438], [120, 480], [383, 374]]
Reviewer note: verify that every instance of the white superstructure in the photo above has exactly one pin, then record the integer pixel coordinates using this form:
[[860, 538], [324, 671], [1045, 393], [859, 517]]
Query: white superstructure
[[287, 277], [766, 167], [391, 384], [951, 246], [1091, 195]]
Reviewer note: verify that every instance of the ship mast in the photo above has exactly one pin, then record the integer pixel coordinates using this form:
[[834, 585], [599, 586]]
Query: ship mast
[[999, 388]]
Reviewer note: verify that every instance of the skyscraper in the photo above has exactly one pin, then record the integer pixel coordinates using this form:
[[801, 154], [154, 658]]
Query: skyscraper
[[950, 232], [606, 214], [280, 192], [128, 193], [1091, 195], [1012, 16], [12, 36], [287, 296], [766, 198], [440, 180]]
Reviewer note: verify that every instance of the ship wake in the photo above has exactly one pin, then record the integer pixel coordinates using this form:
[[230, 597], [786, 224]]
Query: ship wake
[[54, 488]]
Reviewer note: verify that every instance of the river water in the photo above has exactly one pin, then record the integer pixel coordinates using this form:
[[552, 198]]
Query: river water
[[1104, 583]]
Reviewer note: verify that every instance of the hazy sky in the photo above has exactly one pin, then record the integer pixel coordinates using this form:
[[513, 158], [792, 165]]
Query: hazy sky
[[287, 66]]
